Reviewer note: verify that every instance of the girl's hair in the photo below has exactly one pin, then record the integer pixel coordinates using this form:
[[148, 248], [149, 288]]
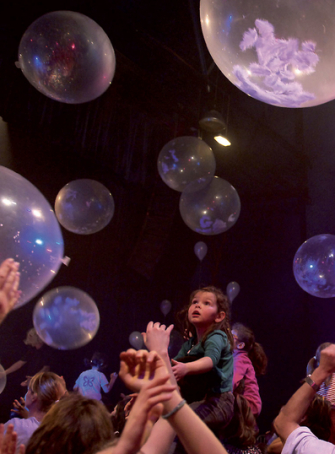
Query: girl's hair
[[222, 305], [98, 360], [241, 431], [75, 425], [49, 388], [255, 351], [318, 418], [119, 416]]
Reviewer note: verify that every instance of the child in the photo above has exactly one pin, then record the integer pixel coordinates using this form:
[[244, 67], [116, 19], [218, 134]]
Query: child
[[249, 360], [210, 351], [90, 382]]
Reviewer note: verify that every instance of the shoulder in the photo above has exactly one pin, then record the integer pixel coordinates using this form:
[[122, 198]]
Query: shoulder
[[307, 442], [217, 335]]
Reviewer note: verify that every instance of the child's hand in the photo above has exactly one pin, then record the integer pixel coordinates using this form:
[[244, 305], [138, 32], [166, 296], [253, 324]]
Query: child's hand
[[9, 440], [20, 408], [157, 337], [179, 369]]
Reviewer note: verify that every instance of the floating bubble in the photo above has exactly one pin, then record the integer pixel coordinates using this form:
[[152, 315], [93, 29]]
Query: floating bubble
[[29, 233], [314, 266], [200, 250], [66, 318], [233, 289], [183, 160], [67, 57], [165, 307], [136, 339], [281, 53], [212, 209], [84, 206]]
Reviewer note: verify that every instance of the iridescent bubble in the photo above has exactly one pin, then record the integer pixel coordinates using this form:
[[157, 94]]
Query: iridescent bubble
[[314, 266], [29, 233], [210, 209], [67, 57], [66, 318], [183, 160], [84, 206], [281, 53]]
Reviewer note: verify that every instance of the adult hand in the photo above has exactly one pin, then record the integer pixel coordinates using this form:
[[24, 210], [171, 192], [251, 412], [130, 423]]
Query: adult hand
[[327, 360], [157, 337], [9, 440], [146, 409], [179, 369], [9, 284], [137, 368], [20, 408]]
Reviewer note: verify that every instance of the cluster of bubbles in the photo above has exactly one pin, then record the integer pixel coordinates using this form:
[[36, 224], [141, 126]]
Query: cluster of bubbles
[[208, 205], [280, 53]]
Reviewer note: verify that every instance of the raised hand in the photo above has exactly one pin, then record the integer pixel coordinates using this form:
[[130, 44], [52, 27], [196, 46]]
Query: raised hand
[[9, 284], [20, 408], [157, 337], [137, 368], [9, 440]]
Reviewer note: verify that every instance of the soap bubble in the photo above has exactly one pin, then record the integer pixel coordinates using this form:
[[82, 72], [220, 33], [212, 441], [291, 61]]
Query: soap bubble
[[29, 233], [66, 318]]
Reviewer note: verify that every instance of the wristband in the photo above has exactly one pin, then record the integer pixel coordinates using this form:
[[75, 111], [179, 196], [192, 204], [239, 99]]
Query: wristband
[[176, 408], [311, 383]]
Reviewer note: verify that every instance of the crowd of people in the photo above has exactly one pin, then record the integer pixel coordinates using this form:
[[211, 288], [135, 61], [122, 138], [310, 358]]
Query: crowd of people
[[204, 400]]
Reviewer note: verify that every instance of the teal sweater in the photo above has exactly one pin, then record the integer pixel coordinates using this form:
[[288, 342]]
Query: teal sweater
[[216, 347]]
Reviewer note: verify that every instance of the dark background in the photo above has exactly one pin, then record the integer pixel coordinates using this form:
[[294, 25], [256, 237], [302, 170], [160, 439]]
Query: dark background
[[281, 163]]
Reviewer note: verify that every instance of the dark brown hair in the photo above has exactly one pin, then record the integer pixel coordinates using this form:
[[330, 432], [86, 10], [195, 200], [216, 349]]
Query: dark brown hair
[[75, 425], [241, 431], [255, 351], [222, 305], [318, 417]]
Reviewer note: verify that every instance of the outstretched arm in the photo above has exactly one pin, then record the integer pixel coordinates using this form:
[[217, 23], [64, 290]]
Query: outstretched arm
[[292, 413], [110, 385], [14, 367]]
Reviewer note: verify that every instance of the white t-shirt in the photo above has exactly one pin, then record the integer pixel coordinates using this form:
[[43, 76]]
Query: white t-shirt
[[302, 441], [90, 382], [24, 429]]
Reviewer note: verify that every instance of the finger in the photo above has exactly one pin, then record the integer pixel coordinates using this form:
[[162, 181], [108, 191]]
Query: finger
[[5, 268], [7, 437], [157, 325], [173, 361], [12, 443], [150, 325], [163, 327], [22, 449], [144, 335], [169, 329]]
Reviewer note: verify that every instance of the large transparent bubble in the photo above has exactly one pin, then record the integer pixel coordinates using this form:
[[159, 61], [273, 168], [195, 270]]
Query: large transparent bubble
[[183, 160], [67, 57], [210, 209], [84, 206], [279, 52], [3, 379], [66, 318], [29, 233], [314, 266]]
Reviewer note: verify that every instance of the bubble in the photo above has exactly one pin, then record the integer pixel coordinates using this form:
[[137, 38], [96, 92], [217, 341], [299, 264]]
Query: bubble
[[67, 57], [183, 160], [84, 206], [212, 209], [66, 318], [281, 53], [30, 233], [314, 266]]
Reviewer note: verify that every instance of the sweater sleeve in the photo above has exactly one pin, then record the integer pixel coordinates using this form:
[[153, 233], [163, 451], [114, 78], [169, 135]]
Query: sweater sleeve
[[214, 345]]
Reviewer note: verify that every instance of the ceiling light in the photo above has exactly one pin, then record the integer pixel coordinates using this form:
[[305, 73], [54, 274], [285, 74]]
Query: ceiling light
[[222, 140]]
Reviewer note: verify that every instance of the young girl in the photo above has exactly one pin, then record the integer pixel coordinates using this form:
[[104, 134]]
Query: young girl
[[208, 353], [249, 360], [90, 382]]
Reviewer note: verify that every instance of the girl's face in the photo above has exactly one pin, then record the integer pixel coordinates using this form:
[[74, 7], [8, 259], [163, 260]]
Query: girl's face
[[203, 310]]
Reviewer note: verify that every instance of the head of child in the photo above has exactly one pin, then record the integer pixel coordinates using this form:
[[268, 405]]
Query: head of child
[[98, 361], [45, 388], [208, 310], [244, 338]]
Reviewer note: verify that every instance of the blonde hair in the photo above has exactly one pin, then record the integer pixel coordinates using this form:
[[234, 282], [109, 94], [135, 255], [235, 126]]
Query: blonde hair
[[49, 388]]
